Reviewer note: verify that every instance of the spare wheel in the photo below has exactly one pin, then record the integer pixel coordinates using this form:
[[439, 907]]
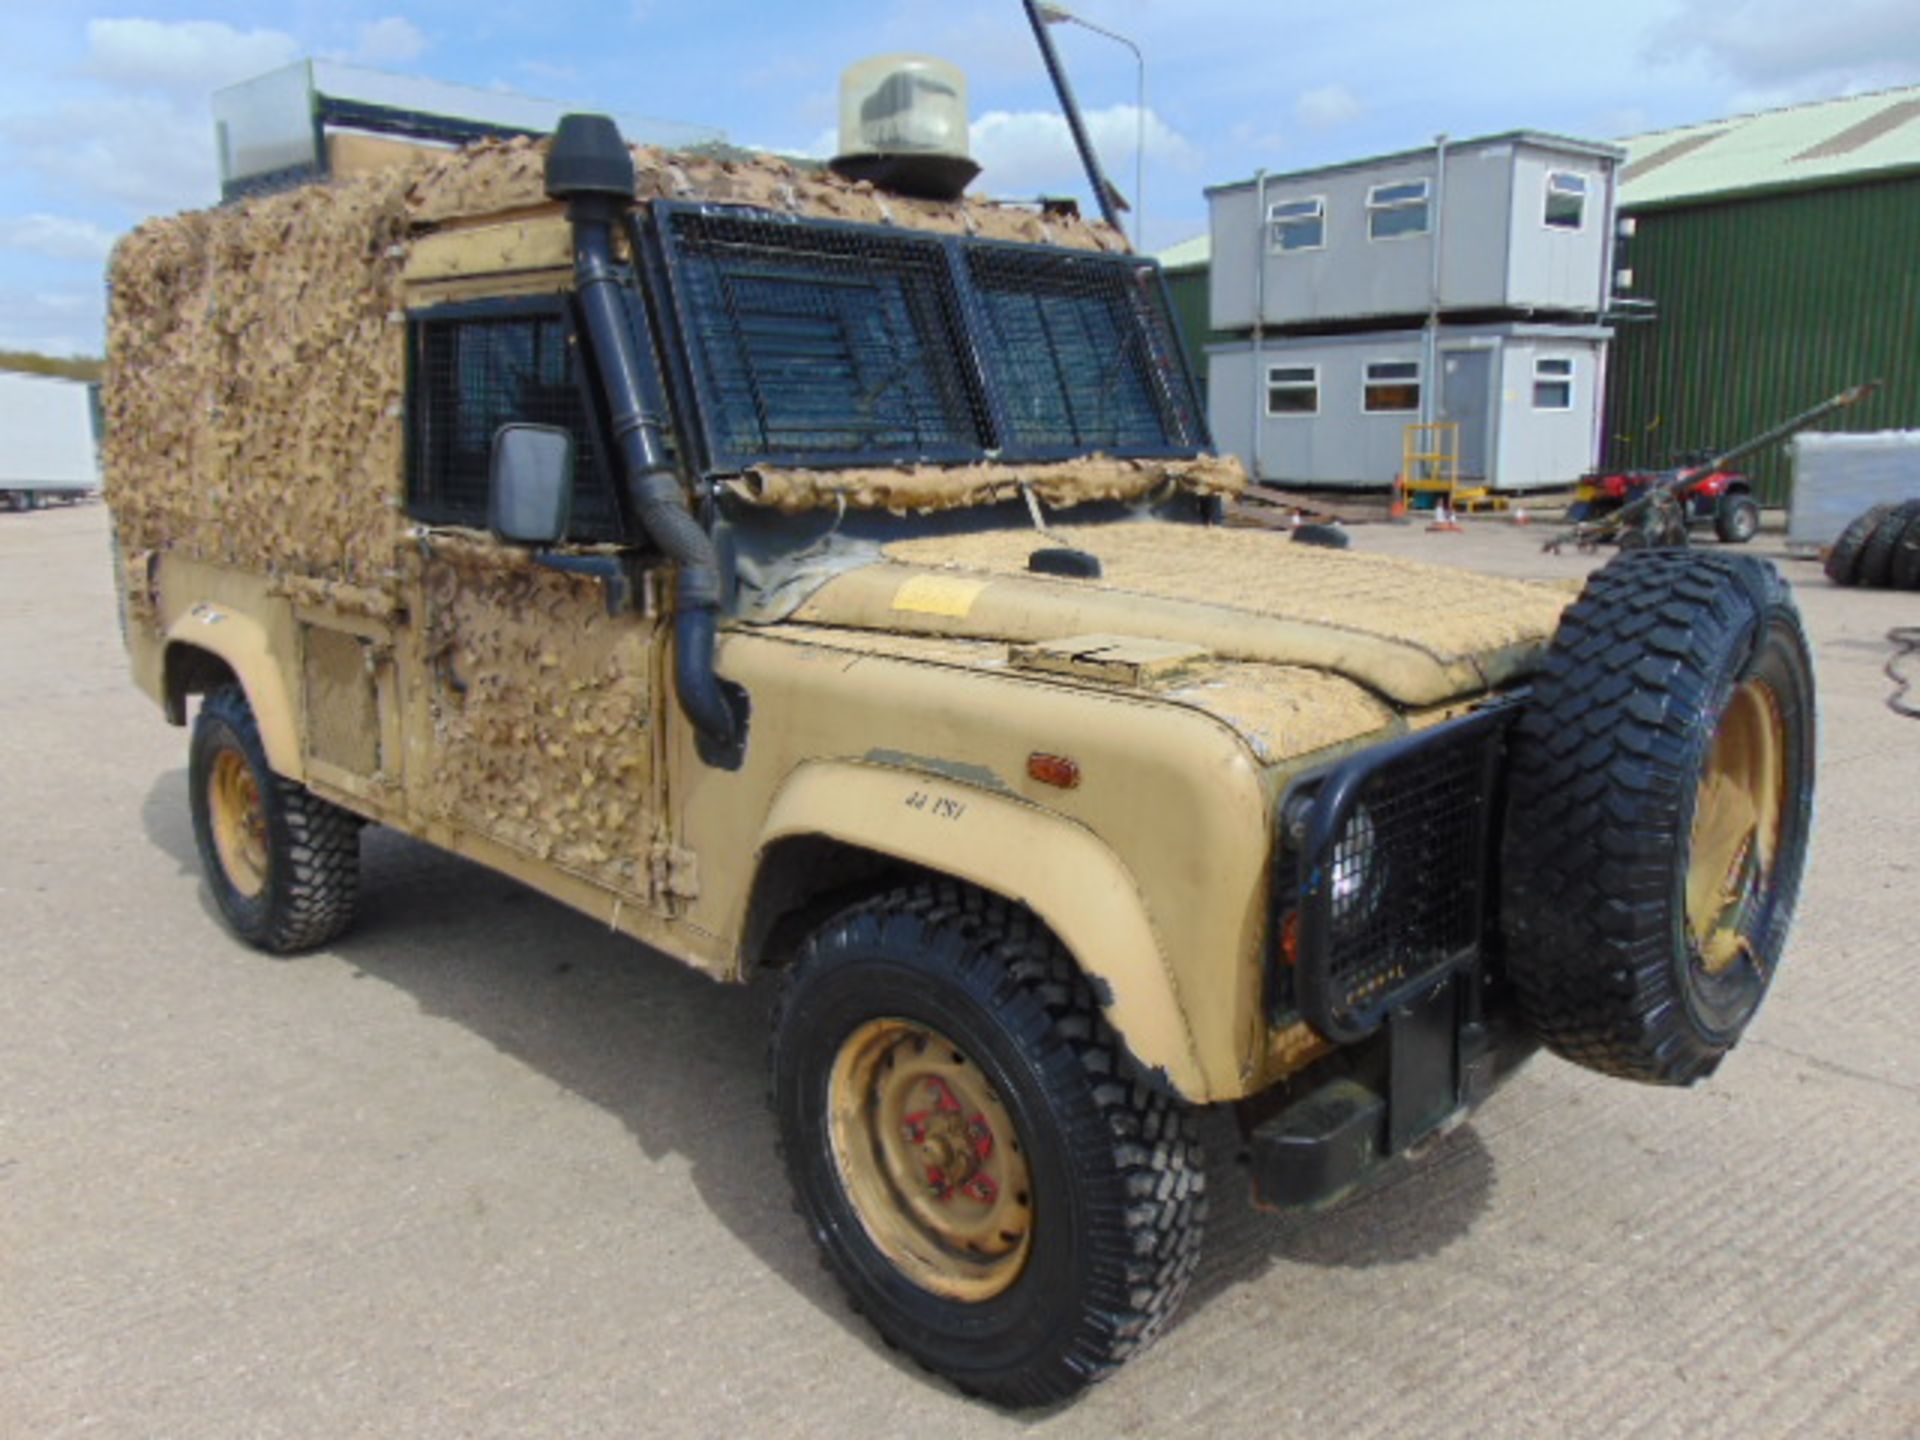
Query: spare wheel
[[1661, 788]]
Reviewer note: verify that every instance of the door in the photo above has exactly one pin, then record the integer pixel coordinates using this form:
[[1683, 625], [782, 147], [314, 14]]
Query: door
[[534, 716], [1466, 392]]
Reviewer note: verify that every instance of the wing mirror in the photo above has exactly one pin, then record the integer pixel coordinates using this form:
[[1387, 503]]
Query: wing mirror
[[530, 484]]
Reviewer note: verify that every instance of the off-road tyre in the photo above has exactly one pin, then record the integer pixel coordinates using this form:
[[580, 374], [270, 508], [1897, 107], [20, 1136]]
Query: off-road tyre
[[1877, 555], [1118, 1185], [1843, 559], [1906, 557], [1607, 770], [312, 848], [1736, 519]]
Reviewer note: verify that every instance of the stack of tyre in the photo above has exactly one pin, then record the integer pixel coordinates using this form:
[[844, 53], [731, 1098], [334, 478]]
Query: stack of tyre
[[1880, 549]]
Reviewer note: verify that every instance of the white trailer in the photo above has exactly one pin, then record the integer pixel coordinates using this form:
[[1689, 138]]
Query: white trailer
[[48, 440]]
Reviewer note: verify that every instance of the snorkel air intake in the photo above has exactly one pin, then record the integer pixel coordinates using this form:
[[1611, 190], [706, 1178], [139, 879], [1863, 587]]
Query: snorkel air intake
[[591, 169]]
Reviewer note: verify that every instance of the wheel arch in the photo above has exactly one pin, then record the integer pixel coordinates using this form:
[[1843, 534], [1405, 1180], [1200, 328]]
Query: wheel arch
[[839, 830], [213, 646]]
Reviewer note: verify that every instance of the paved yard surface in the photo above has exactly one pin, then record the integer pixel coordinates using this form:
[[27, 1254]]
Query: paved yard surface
[[483, 1170]]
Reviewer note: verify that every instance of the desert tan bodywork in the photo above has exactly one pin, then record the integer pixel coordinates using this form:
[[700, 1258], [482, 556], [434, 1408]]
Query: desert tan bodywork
[[440, 682]]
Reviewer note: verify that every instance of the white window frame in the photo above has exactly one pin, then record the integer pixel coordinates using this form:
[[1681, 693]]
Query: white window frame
[[1312, 383], [1543, 376], [1423, 202], [1551, 189], [1274, 222], [1367, 382]]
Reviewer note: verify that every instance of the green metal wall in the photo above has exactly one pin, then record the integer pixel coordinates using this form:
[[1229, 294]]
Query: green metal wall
[[1187, 290], [1765, 307]]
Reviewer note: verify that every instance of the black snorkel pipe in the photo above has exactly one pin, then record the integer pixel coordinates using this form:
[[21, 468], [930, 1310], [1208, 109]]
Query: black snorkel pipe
[[1103, 191], [590, 167]]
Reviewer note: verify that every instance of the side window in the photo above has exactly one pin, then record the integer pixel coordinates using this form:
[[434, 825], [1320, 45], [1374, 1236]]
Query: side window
[[1566, 207], [1553, 383], [1293, 390], [1297, 224], [1396, 210], [475, 368], [1392, 388]]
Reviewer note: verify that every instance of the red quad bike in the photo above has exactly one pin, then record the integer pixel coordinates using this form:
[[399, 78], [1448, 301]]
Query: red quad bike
[[1721, 498], [1638, 508]]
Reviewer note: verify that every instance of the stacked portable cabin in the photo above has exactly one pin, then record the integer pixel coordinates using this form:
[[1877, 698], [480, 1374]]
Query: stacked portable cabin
[[1465, 282]]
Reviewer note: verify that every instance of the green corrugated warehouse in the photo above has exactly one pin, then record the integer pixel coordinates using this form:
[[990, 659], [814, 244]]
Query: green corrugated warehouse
[[1780, 255], [1775, 259]]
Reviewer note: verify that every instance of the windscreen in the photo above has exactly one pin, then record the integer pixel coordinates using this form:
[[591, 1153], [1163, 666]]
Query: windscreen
[[816, 344]]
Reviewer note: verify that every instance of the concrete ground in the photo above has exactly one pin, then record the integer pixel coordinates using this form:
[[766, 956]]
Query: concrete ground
[[481, 1169]]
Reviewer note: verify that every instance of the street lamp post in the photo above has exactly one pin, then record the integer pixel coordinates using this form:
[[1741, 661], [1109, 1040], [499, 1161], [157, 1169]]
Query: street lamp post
[[1060, 15]]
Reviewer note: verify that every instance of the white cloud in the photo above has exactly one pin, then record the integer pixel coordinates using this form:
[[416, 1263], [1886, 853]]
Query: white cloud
[[59, 237], [389, 41], [1789, 49], [189, 58], [1028, 152], [68, 321], [1327, 106], [144, 152]]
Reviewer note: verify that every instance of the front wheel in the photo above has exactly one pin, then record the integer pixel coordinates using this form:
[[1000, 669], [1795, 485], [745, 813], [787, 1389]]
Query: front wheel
[[992, 1191]]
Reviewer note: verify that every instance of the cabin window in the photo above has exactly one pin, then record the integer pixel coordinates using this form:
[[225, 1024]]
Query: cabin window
[[1297, 224], [1398, 209], [1392, 387], [1293, 390], [1566, 200], [473, 368], [1553, 383]]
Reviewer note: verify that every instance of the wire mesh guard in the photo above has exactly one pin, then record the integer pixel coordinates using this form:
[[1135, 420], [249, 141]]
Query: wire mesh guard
[[471, 375], [818, 343], [1403, 877]]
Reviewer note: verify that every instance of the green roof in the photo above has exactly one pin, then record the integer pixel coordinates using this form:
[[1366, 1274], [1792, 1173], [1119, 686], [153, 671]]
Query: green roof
[[1857, 137], [1187, 255]]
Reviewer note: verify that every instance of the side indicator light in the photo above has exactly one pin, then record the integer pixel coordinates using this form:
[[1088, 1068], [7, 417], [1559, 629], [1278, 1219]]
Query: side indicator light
[[1056, 770]]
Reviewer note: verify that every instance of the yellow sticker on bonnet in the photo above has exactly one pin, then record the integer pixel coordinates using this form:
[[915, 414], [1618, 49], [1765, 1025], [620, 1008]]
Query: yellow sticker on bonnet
[[938, 595]]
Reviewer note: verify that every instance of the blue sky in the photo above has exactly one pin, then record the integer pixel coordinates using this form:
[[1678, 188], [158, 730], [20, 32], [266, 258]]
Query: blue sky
[[104, 113]]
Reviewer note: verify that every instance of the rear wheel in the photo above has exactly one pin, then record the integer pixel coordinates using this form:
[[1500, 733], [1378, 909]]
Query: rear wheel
[[283, 864], [993, 1193], [1661, 785], [1736, 519]]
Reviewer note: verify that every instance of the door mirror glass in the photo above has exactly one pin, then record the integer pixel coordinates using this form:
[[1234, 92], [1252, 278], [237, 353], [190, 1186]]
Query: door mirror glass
[[530, 484]]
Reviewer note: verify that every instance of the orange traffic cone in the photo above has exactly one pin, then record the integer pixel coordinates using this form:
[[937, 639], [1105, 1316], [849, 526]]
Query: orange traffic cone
[[1397, 507], [1445, 522], [1520, 516]]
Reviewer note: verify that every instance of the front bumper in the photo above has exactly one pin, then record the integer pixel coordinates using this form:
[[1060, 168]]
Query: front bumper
[[1388, 867]]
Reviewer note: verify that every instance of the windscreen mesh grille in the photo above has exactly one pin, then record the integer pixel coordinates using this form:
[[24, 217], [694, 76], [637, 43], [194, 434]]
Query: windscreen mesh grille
[[817, 342], [1080, 350], [471, 375]]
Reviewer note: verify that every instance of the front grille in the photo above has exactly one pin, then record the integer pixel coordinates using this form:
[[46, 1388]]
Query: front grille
[[1391, 854]]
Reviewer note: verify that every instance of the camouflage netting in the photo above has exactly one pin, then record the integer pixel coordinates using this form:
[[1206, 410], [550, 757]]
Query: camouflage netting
[[904, 488], [256, 354]]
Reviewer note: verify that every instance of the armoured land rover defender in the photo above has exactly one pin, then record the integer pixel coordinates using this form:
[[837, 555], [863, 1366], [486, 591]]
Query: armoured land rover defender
[[792, 575]]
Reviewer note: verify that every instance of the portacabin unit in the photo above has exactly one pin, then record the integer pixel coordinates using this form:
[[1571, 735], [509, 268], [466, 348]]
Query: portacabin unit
[[1464, 282]]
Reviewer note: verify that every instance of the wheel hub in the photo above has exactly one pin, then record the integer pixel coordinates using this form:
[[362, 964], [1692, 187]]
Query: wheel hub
[[1737, 822], [931, 1159], [239, 822]]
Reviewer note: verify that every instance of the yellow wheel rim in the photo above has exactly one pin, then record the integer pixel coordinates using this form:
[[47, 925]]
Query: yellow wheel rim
[[1737, 820], [239, 822], [931, 1160]]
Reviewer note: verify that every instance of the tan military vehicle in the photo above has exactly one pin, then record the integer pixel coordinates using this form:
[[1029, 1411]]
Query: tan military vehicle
[[793, 575]]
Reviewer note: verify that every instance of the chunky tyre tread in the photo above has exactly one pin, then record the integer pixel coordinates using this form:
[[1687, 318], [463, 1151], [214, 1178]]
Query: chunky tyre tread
[[1591, 844], [315, 860], [1882, 547], [1843, 560], [1906, 557], [1006, 957]]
